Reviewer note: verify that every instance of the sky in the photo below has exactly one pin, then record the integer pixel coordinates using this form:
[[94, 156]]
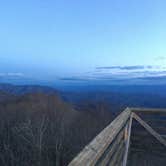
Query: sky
[[50, 39]]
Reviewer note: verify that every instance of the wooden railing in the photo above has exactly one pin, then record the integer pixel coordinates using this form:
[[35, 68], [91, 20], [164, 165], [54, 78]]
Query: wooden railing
[[111, 146]]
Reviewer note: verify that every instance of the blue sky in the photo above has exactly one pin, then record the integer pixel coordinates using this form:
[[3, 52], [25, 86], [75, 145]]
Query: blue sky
[[64, 38]]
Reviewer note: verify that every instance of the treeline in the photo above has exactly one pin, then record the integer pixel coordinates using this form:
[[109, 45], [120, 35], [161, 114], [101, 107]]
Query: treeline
[[42, 130]]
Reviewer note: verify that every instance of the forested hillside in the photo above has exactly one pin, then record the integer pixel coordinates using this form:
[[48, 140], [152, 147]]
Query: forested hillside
[[42, 126], [41, 129]]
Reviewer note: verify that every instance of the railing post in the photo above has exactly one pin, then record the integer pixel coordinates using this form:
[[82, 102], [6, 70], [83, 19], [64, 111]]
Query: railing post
[[127, 139]]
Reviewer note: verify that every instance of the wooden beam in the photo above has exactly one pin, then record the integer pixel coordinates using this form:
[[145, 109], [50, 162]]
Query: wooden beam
[[117, 156], [92, 152], [149, 129], [112, 149], [106, 141], [152, 110], [127, 137]]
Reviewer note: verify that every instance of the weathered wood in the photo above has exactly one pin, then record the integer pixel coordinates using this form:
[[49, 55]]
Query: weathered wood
[[152, 110], [154, 119], [112, 149], [149, 129], [111, 146], [92, 152], [128, 133], [116, 156]]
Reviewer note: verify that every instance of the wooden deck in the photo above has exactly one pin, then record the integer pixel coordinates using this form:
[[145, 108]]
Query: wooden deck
[[136, 137]]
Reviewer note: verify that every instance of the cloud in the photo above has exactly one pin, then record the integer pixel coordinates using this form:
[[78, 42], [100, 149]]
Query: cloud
[[11, 74], [131, 67], [117, 74], [108, 67], [136, 67], [72, 79]]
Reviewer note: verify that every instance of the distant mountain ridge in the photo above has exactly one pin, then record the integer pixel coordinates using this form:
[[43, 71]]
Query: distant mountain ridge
[[23, 89], [118, 97]]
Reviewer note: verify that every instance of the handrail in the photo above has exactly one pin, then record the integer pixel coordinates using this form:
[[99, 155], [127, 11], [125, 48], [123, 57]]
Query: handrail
[[111, 145], [157, 110], [91, 153]]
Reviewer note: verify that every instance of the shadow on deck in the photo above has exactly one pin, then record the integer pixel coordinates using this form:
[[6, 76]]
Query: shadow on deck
[[136, 137]]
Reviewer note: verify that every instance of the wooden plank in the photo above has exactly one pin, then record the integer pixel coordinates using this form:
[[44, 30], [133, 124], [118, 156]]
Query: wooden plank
[[153, 110], [115, 157], [99, 146], [110, 152], [157, 122], [153, 116], [149, 129], [119, 161], [92, 152], [128, 133]]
